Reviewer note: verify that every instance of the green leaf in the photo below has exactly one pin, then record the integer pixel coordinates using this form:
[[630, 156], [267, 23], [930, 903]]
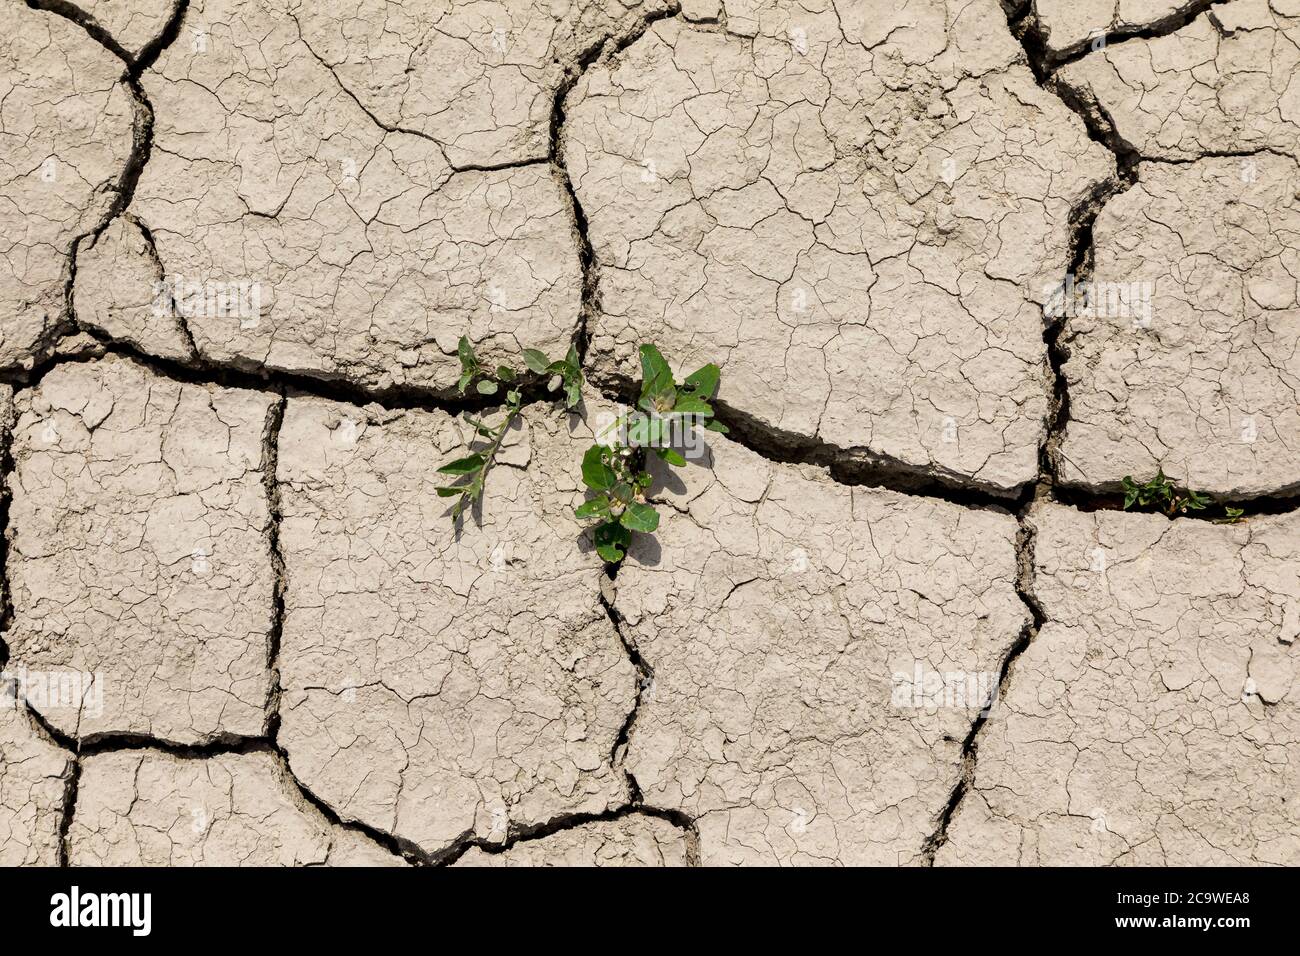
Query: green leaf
[[1131, 491], [465, 379], [597, 507], [463, 466], [536, 361], [487, 387], [446, 492], [639, 517], [612, 540], [621, 493], [468, 360], [596, 475], [645, 430], [653, 364], [670, 456], [656, 376], [564, 371], [703, 382], [513, 397], [714, 425], [505, 373], [690, 405]]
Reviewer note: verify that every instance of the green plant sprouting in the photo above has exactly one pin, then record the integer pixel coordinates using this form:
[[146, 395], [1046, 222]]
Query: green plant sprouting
[[1161, 494], [470, 471], [616, 472]]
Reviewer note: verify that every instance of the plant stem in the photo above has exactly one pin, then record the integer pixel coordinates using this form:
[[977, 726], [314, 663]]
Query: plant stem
[[475, 489], [512, 412]]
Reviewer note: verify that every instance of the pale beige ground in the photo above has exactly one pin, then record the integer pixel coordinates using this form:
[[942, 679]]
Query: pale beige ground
[[142, 808], [777, 609], [1070, 26], [33, 788], [65, 135], [138, 549], [831, 240], [630, 841], [1225, 83], [1209, 383], [239, 247], [438, 685], [1155, 719]]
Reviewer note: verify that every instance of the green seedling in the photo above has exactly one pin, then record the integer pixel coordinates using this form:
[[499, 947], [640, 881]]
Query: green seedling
[[616, 473], [471, 470], [564, 373], [1162, 494], [1231, 515]]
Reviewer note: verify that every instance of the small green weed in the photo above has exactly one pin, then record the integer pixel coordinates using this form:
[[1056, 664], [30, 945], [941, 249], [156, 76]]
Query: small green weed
[[617, 472], [1161, 494], [471, 470]]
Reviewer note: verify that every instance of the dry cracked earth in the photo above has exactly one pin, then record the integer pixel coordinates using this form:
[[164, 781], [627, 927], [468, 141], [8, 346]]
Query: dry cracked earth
[[241, 240]]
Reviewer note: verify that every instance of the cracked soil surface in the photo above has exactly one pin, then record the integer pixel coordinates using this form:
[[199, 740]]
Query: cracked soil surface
[[965, 266]]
